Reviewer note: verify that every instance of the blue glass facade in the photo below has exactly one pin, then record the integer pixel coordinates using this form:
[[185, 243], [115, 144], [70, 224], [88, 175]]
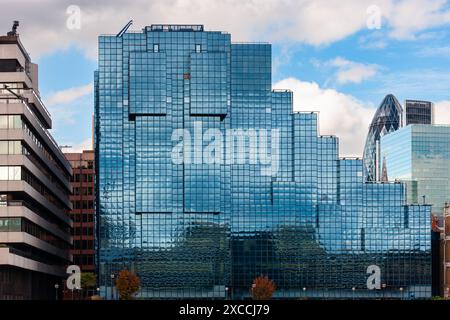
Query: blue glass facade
[[419, 156], [201, 229]]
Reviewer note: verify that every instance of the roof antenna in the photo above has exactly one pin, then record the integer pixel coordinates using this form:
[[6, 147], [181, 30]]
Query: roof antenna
[[120, 34], [13, 31]]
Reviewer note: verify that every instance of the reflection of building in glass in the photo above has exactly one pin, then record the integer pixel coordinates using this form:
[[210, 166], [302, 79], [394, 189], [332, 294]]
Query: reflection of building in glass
[[419, 155], [418, 112], [207, 230], [388, 118]]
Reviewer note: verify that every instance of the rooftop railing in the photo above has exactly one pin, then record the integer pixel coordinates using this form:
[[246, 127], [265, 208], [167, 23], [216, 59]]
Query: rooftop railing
[[176, 27]]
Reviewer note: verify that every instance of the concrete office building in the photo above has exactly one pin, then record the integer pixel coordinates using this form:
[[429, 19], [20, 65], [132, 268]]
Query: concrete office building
[[34, 184]]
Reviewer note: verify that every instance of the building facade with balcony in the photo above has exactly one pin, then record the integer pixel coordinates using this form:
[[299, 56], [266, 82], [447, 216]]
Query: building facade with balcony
[[197, 219], [34, 184]]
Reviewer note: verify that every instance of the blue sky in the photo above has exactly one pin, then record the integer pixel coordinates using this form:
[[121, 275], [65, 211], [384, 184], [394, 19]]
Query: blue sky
[[327, 52]]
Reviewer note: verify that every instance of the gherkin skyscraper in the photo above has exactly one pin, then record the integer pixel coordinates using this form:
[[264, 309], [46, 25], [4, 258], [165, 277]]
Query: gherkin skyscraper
[[387, 119]]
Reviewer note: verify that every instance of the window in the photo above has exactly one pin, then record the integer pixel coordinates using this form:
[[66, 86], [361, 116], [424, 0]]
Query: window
[[10, 173], [10, 147], [156, 48], [3, 147], [3, 122], [14, 122], [10, 224], [3, 200], [10, 122], [15, 147], [198, 48]]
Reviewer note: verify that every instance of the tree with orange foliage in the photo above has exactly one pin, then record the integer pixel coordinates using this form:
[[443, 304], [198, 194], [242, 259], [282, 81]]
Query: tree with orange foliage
[[262, 288], [127, 284]]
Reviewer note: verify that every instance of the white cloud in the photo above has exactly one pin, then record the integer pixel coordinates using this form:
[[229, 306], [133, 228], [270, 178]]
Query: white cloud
[[435, 52], [340, 114], [408, 18], [69, 95], [375, 40], [442, 112], [67, 105], [352, 72], [423, 83], [79, 147], [313, 22]]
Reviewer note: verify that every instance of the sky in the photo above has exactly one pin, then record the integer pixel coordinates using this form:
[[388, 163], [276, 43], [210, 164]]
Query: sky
[[339, 57]]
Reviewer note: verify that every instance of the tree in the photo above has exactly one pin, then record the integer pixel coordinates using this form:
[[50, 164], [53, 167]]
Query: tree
[[262, 288], [88, 282], [127, 284]]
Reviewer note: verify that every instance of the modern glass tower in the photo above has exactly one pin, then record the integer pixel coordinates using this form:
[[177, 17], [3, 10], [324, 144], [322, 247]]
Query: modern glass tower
[[418, 112], [388, 118], [419, 155], [274, 200]]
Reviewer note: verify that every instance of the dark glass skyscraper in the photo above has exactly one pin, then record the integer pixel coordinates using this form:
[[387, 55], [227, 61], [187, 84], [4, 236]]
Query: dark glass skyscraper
[[387, 119], [206, 179], [419, 112]]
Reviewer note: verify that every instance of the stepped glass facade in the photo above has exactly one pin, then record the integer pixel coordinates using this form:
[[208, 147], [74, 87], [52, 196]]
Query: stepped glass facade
[[198, 228]]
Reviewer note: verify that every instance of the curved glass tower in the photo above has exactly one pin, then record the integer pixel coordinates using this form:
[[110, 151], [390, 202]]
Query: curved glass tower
[[387, 119]]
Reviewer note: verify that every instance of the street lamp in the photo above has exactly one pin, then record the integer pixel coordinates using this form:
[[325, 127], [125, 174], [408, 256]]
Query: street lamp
[[253, 287], [383, 287], [78, 293], [112, 286], [226, 293], [354, 290], [56, 290], [401, 293]]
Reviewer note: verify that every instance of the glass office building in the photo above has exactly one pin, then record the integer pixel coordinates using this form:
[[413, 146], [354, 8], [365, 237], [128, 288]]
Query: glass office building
[[419, 155], [418, 112], [388, 118], [197, 228]]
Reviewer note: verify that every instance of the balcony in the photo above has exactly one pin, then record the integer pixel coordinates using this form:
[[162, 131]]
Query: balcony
[[34, 99], [19, 77], [21, 208], [20, 259]]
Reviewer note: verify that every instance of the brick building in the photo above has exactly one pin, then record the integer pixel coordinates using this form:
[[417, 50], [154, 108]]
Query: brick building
[[82, 213]]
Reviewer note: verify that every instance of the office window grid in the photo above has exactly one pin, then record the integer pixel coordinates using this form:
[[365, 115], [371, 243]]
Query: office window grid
[[201, 230]]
